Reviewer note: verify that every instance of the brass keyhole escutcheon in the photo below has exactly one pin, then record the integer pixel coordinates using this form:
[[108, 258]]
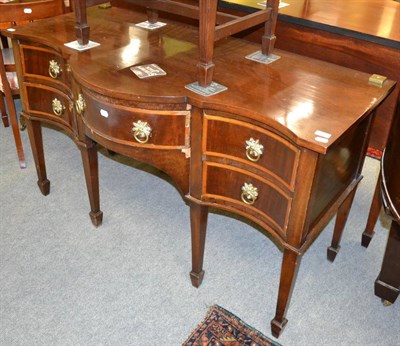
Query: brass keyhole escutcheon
[[80, 105]]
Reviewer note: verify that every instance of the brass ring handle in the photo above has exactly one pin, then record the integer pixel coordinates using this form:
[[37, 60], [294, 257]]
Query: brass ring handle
[[54, 69], [58, 107], [80, 105], [141, 131], [254, 149], [249, 194]]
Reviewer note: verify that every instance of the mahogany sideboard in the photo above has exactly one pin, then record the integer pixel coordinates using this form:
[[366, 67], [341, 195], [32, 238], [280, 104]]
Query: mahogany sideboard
[[283, 146], [362, 35]]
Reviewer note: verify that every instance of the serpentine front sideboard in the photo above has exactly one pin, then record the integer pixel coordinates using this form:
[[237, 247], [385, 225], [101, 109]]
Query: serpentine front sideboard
[[283, 146]]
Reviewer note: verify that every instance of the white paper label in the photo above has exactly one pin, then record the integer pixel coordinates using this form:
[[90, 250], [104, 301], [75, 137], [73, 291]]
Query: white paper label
[[27, 10], [322, 134], [321, 139], [104, 113]]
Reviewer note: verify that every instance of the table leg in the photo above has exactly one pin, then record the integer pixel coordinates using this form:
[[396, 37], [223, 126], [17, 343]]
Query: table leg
[[268, 39], [290, 266], [207, 21], [198, 221], [387, 285], [341, 218], [35, 137], [15, 129], [373, 215], [91, 169], [152, 15], [3, 112], [82, 29]]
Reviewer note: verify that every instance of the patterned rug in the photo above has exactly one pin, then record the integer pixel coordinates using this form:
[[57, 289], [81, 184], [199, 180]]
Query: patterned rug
[[222, 328]]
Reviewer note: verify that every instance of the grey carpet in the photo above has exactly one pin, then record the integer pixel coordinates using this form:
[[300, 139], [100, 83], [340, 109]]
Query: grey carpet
[[63, 282]]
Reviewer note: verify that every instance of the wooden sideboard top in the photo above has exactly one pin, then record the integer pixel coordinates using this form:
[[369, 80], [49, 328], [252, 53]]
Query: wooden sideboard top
[[295, 95], [366, 19]]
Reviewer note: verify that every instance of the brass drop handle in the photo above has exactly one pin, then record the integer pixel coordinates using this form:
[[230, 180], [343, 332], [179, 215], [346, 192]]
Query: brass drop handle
[[141, 131], [249, 194], [58, 107], [254, 149], [54, 69], [80, 105]]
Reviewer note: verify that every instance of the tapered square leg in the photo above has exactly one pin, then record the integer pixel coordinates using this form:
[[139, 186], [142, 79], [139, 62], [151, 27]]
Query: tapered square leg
[[34, 129], [373, 215], [290, 266], [341, 218], [91, 169], [198, 221]]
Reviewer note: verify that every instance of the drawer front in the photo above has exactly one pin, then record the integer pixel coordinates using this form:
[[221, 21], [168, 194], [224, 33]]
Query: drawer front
[[49, 103], [234, 188], [252, 146], [44, 63], [137, 127]]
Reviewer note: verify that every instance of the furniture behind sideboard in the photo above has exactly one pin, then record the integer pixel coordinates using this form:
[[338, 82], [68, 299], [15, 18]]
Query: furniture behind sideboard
[[364, 36]]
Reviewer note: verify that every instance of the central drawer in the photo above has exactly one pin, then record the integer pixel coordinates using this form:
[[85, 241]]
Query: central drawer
[[137, 127]]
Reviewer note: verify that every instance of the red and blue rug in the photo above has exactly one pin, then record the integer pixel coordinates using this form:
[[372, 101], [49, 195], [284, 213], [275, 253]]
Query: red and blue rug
[[222, 328]]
